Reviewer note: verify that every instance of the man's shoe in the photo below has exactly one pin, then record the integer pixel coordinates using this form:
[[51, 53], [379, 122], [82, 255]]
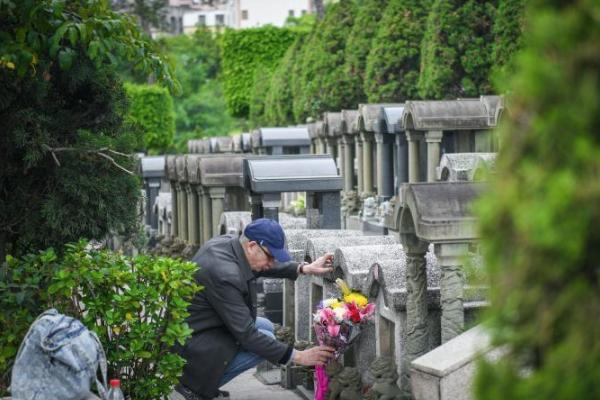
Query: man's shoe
[[188, 394]]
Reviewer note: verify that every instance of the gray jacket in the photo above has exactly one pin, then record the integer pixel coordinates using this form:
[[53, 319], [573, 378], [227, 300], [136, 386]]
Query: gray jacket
[[223, 314]]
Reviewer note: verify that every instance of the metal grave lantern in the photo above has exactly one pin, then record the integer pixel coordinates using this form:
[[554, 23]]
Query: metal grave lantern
[[267, 177]]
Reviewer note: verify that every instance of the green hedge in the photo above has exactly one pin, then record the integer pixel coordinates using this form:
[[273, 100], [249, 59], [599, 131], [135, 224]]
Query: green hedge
[[456, 49], [258, 96], [243, 52], [394, 61], [323, 60], [151, 112], [360, 42], [540, 220], [136, 305]]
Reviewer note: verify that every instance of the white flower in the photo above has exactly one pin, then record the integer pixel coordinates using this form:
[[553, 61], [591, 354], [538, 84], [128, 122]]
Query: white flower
[[340, 314], [329, 302], [317, 317]]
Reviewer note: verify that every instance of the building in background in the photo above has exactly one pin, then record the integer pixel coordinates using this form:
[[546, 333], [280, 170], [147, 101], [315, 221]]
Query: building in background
[[184, 16], [255, 13]]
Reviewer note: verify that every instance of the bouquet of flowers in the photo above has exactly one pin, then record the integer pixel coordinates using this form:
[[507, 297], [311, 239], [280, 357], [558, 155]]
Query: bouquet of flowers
[[337, 323]]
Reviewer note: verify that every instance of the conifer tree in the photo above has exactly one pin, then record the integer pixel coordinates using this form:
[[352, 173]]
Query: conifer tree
[[507, 30], [360, 42], [323, 63], [540, 219], [394, 60], [456, 49], [279, 102]]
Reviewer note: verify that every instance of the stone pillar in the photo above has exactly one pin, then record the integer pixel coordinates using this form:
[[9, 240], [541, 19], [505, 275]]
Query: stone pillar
[[174, 211], [385, 165], [452, 280], [348, 169], [194, 216], [434, 140], [367, 162], [183, 215], [189, 193], [322, 145], [359, 164], [402, 156], [217, 198], [341, 147], [206, 215], [417, 339], [198, 192], [413, 137], [270, 205]]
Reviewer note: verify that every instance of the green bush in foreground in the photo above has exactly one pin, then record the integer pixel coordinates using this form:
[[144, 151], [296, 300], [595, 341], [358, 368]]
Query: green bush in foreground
[[540, 221], [136, 305]]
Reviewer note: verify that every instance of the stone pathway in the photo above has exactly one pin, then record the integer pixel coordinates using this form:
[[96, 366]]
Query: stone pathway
[[247, 387]]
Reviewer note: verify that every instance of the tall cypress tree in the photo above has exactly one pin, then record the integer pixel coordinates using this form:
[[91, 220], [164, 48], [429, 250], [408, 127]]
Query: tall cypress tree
[[540, 219], [507, 30], [394, 60], [358, 46], [323, 63], [279, 102], [456, 49]]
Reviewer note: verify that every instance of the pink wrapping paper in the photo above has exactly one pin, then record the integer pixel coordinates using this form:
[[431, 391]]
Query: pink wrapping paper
[[321, 383]]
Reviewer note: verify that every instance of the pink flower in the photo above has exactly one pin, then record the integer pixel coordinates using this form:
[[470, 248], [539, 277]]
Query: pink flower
[[328, 318], [367, 311]]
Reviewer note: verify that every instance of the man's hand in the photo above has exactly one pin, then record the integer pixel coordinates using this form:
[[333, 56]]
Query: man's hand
[[318, 355], [321, 266]]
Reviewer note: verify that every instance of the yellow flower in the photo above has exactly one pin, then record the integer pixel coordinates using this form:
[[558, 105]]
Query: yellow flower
[[336, 304], [359, 299], [349, 296]]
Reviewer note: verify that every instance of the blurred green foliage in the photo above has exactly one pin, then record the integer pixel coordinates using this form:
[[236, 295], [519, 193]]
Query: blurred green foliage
[[539, 221], [151, 114], [243, 53], [392, 69], [136, 305]]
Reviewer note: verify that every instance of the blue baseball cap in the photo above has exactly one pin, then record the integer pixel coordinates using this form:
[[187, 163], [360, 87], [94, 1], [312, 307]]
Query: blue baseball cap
[[268, 233]]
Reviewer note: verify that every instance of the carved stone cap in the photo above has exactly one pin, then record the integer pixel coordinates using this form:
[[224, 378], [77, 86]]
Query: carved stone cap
[[180, 167], [333, 123], [224, 144], [350, 122], [465, 166], [462, 114], [353, 263], [391, 120], [153, 167], [283, 136], [221, 170], [439, 212], [371, 116], [170, 167]]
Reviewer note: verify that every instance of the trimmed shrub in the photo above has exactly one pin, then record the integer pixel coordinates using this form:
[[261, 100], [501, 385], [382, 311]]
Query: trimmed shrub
[[323, 64], [540, 219], [456, 49], [359, 45], [136, 305], [151, 112], [393, 64], [279, 102], [243, 52]]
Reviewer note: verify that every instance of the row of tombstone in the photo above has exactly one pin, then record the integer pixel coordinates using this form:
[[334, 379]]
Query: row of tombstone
[[428, 153], [379, 147]]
